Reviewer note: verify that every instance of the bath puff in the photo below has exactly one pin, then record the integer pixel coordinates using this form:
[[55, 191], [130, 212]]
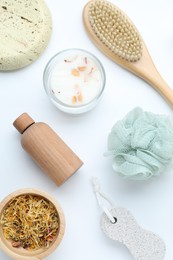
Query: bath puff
[[141, 144]]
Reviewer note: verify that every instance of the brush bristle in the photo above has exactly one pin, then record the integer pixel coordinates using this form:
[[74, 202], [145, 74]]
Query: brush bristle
[[115, 30]]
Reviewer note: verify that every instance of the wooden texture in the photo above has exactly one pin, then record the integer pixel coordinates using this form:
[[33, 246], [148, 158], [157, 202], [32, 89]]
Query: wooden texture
[[49, 151], [23, 122], [20, 253], [143, 68]]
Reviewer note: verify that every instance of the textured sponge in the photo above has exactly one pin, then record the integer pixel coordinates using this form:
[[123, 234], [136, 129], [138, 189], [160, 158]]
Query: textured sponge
[[25, 28]]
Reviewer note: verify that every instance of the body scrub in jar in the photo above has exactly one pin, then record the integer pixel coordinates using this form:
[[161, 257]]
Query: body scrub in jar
[[74, 80]]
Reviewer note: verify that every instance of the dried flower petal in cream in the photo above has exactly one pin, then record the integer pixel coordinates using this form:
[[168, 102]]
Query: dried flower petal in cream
[[74, 80]]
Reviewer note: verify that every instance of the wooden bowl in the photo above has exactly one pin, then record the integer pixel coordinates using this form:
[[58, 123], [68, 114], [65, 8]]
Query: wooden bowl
[[23, 254]]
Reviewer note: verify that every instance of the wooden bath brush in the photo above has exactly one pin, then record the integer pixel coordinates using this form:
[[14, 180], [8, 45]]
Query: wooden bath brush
[[116, 36]]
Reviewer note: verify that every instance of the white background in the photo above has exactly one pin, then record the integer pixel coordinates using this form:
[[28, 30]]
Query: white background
[[150, 202]]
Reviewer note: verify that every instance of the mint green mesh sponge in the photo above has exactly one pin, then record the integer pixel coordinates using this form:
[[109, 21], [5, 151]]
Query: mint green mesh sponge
[[141, 144]]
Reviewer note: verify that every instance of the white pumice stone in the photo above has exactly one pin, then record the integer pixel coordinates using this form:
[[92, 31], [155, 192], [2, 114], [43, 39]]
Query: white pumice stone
[[25, 28], [143, 244]]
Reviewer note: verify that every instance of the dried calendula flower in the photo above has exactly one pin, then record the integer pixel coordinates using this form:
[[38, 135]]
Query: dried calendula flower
[[74, 99], [82, 68], [80, 98], [75, 72], [30, 221]]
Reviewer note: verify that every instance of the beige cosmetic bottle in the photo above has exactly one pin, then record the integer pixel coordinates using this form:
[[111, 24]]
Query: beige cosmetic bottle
[[47, 149]]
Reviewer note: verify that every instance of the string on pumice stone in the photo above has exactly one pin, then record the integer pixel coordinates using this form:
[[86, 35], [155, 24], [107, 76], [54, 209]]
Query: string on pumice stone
[[119, 224]]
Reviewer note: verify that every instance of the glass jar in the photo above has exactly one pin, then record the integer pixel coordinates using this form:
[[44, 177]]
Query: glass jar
[[74, 80]]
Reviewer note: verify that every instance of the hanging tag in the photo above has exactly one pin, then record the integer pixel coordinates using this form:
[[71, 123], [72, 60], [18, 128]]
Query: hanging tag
[[120, 225]]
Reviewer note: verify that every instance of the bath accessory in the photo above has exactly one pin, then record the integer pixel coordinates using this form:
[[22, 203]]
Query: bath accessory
[[49, 151], [74, 80], [25, 29], [141, 144], [20, 253], [119, 224], [116, 36]]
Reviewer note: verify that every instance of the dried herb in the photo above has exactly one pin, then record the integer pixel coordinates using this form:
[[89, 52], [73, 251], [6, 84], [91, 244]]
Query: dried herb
[[30, 221]]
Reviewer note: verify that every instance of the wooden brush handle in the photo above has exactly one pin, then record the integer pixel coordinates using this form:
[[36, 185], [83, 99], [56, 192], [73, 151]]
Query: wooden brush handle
[[155, 80], [146, 69]]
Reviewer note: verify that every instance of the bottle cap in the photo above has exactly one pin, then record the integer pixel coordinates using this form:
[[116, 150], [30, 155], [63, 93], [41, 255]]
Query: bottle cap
[[23, 122]]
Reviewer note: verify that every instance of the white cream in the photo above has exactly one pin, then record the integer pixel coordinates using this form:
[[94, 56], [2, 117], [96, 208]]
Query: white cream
[[76, 80]]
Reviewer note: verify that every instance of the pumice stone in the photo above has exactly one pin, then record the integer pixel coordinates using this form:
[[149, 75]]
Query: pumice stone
[[25, 28]]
